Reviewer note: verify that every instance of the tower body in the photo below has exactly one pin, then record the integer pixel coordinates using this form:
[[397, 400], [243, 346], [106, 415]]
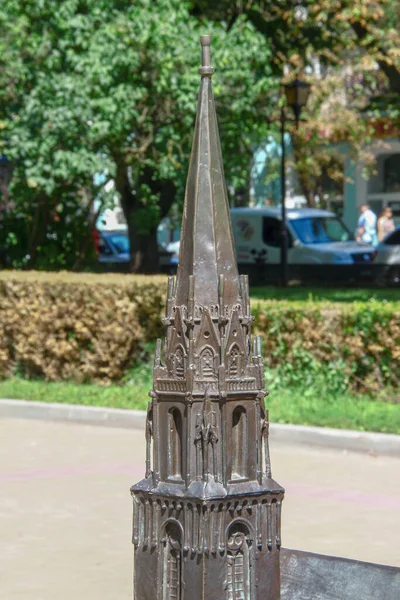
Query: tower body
[[207, 515]]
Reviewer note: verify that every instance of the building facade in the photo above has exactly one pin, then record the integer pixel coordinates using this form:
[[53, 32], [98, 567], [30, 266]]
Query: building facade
[[207, 515], [379, 188]]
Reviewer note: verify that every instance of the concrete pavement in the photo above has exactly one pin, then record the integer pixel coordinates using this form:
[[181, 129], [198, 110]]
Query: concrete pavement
[[65, 508]]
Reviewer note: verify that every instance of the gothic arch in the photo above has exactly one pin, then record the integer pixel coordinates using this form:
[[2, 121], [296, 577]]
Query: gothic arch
[[172, 560], [242, 525], [175, 443], [173, 523], [178, 362], [239, 561], [239, 443], [207, 367], [234, 361]]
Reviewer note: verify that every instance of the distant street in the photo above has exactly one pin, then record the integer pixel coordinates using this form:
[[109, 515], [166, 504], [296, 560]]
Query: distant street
[[65, 507]]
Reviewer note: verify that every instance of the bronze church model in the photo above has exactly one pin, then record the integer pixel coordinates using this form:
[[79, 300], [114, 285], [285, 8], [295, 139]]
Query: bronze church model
[[207, 515]]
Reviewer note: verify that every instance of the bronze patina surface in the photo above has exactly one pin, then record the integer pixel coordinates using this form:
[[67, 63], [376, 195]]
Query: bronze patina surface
[[308, 576], [207, 515]]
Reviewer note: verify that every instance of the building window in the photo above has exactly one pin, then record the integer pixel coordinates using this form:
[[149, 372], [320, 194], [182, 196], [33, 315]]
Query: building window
[[172, 563], [391, 173], [175, 444], [239, 443], [272, 229]]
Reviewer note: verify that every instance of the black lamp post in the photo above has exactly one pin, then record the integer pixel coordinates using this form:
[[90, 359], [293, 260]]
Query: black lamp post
[[296, 93]]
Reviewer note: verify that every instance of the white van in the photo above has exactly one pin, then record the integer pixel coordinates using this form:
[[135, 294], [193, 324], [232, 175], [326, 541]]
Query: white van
[[316, 238]]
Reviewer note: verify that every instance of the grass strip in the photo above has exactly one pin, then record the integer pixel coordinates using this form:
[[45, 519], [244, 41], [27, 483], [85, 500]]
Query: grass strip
[[289, 405]]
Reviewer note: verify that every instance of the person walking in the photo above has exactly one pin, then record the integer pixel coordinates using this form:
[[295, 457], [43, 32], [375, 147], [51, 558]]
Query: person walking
[[366, 226], [385, 224]]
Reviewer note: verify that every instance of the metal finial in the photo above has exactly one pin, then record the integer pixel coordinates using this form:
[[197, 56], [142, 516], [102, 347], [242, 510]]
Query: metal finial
[[206, 69]]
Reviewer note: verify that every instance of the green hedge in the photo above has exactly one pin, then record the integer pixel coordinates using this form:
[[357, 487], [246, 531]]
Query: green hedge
[[76, 327], [352, 346], [86, 327]]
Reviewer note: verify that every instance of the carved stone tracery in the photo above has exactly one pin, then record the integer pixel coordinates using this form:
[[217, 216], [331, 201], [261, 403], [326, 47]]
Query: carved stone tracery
[[178, 362], [207, 363]]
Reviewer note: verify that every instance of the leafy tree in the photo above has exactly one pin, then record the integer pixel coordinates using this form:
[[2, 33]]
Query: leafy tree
[[108, 87], [323, 28], [43, 119], [355, 82], [350, 50]]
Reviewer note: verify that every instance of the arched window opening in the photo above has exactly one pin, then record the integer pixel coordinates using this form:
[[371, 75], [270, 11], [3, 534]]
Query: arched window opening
[[207, 364], [172, 563], [175, 444], [239, 443], [239, 564], [234, 362], [178, 362]]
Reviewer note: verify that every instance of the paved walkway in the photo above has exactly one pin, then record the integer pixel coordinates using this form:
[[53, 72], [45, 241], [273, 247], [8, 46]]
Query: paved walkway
[[65, 507]]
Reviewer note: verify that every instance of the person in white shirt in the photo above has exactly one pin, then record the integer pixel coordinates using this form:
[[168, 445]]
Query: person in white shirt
[[366, 226]]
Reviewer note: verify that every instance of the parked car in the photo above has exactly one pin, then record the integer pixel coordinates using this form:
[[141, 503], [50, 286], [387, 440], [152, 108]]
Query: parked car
[[114, 252], [319, 245], [387, 259], [317, 239]]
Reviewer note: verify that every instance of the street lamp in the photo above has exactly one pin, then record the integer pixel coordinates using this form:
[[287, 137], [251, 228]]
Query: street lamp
[[296, 93]]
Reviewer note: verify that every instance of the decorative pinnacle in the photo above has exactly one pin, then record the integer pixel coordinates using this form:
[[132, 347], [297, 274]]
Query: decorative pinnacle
[[206, 69]]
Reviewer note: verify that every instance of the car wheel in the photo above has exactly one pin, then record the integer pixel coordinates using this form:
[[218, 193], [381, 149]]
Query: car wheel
[[393, 276]]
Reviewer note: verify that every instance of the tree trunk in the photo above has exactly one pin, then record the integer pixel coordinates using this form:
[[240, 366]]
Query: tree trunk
[[143, 245], [88, 241], [306, 180], [310, 197], [137, 248], [149, 249], [144, 248], [6, 169], [39, 229]]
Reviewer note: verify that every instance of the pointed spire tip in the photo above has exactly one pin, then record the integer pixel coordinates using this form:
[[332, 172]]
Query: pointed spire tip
[[207, 272]]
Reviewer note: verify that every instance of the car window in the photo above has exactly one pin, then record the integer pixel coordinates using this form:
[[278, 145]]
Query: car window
[[120, 242], [319, 230], [104, 248], [393, 239], [271, 231]]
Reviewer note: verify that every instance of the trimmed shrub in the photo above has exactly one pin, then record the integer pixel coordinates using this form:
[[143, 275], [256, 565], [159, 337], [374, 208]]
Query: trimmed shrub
[[87, 327], [80, 328], [353, 346]]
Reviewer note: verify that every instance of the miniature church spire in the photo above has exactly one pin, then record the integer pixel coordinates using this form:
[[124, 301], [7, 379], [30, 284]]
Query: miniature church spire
[[207, 513], [207, 249]]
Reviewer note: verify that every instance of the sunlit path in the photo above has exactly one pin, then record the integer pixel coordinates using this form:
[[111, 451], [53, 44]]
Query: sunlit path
[[65, 507]]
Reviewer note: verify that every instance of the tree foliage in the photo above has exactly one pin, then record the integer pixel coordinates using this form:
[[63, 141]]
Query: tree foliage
[[323, 28], [109, 87], [349, 50]]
